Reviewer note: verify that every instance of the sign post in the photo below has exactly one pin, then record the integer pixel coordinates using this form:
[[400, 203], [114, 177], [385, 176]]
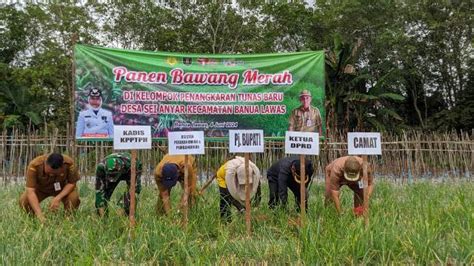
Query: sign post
[[186, 143], [132, 138], [364, 143], [302, 190], [133, 180], [246, 141], [302, 143]]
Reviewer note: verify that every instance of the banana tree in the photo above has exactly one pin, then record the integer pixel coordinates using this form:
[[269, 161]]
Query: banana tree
[[340, 73], [372, 104], [20, 107]]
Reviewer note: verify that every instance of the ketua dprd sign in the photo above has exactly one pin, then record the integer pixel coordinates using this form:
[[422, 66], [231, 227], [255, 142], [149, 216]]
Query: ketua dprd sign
[[364, 143], [246, 141], [297, 142], [132, 137], [186, 142]]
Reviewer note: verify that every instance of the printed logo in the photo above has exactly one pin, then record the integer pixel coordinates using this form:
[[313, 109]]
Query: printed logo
[[232, 62], [187, 60], [228, 62], [171, 61], [206, 61]]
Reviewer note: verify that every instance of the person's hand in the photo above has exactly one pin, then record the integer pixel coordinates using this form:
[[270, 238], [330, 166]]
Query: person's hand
[[54, 205], [359, 211]]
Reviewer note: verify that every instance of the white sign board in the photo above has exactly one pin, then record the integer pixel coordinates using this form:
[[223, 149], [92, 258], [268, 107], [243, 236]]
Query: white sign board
[[246, 141], [132, 137], [364, 143], [185, 142], [297, 142]]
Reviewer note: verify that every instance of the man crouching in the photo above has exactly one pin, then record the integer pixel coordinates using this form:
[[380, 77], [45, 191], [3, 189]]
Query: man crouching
[[53, 175], [347, 171]]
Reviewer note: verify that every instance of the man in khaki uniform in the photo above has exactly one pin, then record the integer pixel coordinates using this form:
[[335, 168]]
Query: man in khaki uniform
[[52, 175], [167, 173], [347, 171], [305, 118]]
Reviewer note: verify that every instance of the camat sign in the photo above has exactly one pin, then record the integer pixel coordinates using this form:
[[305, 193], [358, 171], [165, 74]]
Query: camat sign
[[364, 143]]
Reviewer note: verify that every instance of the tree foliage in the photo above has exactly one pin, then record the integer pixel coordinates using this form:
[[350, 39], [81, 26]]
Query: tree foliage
[[390, 65]]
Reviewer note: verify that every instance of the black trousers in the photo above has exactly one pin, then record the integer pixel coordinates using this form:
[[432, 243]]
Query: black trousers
[[226, 200], [224, 205], [295, 189]]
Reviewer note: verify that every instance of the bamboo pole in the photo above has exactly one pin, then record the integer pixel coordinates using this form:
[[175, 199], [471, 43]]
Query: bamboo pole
[[72, 105], [436, 153], [19, 168], [208, 182], [3, 157], [186, 191], [247, 195], [365, 185], [302, 190], [133, 180]]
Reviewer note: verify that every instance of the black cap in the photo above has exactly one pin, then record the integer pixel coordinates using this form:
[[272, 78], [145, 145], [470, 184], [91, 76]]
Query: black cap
[[169, 175], [94, 92]]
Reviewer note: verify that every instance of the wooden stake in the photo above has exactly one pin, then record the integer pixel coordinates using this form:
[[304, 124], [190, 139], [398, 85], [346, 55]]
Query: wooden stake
[[186, 191], [133, 180], [208, 182], [365, 180], [72, 132], [247, 196], [302, 190]]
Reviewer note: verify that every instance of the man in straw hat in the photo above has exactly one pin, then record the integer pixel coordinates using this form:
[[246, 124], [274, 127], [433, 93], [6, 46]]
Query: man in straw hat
[[285, 174], [52, 175], [113, 169], [167, 173], [347, 171], [231, 180], [305, 118]]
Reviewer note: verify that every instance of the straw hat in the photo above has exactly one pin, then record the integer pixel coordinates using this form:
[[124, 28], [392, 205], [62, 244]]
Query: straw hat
[[352, 169], [235, 179]]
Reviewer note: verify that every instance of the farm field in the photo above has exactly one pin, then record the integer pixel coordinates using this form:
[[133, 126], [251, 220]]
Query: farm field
[[421, 223]]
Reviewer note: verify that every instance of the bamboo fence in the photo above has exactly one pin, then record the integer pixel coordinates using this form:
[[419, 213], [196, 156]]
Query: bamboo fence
[[411, 156]]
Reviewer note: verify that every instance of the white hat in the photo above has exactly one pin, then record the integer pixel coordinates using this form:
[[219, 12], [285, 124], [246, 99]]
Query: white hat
[[235, 179]]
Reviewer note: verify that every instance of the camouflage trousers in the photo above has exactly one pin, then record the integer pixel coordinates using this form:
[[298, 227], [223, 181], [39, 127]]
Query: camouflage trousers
[[105, 188]]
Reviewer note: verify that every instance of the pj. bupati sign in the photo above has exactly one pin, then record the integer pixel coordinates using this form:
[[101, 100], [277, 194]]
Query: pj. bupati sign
[[246, 141]]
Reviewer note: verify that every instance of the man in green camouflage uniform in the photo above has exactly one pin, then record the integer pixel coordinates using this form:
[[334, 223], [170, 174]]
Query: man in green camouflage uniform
[[113, 169], [305, 118]]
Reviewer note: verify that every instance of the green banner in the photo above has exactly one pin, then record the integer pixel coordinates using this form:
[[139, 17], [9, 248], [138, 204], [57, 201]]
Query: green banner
[[193, 92]]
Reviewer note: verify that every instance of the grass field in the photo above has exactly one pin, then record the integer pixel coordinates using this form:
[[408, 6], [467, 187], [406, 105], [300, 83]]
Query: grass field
[[411, 224]]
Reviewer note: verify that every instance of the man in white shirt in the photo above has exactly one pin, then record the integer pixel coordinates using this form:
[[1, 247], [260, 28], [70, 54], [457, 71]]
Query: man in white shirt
[[95, 121]]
